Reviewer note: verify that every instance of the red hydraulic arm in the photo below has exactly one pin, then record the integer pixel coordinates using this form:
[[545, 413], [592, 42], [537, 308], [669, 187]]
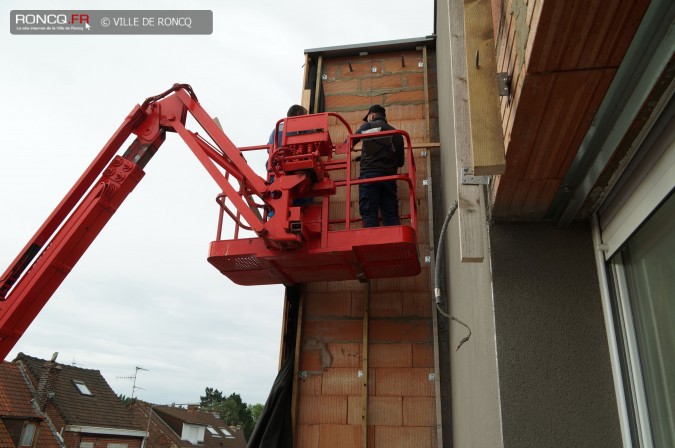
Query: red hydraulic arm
[[289, 243]]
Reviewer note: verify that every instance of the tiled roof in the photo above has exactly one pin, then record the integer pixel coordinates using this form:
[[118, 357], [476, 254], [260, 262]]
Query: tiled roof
[[15, 401], [15, 397], [103, 408], [174, 417]]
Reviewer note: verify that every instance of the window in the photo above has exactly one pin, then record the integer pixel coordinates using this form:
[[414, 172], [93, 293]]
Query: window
[[82, 388], [193, 433], [86, 444], [227, 433], [643, 273], [213, 432], [27, 435], [118, 445]]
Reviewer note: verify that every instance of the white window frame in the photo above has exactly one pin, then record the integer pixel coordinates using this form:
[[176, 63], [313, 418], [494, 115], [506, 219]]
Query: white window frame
[[193, 433], [30, 434], [644, 190], [82, 388]]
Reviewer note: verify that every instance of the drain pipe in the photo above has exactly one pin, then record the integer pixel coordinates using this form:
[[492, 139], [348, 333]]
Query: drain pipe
[[440, 247]]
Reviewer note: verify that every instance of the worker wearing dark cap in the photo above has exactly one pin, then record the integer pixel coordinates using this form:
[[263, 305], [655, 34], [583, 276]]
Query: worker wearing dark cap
[[380, 156]]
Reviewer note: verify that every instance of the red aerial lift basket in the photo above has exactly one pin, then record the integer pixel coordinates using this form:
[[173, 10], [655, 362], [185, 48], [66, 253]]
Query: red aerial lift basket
[[333, 245]]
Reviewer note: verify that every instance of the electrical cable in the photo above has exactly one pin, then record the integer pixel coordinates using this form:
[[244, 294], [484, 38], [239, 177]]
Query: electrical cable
[[437, 272]]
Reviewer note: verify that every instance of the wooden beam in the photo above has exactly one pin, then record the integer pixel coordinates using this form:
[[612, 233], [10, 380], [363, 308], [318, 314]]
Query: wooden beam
[[471, 213], [317, 87], [434, 314], [306, 92], [364, 367], [487, 139], [296, 366], [427, 123]]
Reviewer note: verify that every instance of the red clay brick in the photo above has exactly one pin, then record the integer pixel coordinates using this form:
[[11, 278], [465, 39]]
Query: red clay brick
[[408, 96], [403, 437], [404, 382], [342, 381], [322, 409], [333, 71], [334, 330], [411, 64], [414, 80], [357, 304], [349, 285], [358, 69], [417, 304], [386, 285], [308, 436], [390, 355], [339, 436], [381, 411], [310, 360], [419, 283], [417, 129], [311, 385], [386, 82], [354, 416], [405, 112], [340, 86], [327, 305], [347, 102], [385, 305], [414, 330], [419, 411], [385, 411], [423, 355], [345, 355]]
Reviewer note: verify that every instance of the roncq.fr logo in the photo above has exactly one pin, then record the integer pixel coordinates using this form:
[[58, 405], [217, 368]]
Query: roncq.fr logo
[[51, 19]]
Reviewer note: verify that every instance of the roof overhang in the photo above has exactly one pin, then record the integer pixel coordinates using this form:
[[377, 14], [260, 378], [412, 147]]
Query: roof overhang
[[106, 431], [374, 47]]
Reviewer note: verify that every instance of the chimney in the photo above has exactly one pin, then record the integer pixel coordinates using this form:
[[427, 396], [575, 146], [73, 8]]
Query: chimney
[[192, 409], [48, 376]]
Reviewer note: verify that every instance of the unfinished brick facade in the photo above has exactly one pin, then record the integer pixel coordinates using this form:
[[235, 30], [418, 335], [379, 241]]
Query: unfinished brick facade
[[393, 316]]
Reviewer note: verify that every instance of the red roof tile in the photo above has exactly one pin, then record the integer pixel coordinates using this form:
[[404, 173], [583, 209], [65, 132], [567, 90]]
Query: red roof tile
[[102, 408], [15, 397]]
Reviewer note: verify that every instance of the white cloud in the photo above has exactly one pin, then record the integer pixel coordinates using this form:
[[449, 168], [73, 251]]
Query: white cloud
[[144, 294]]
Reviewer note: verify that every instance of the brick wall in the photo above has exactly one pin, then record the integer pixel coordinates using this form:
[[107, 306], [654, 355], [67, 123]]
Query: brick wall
[[401, 402]]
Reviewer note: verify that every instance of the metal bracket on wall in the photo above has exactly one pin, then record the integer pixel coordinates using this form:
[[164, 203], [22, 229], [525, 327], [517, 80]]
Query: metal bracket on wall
[[469, 179], [504, 84]]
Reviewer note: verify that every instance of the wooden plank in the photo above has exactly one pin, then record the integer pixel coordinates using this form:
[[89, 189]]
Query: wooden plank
[[487, 141], [317, 86], [306, 98], [296, 366], [364, 367], [471, 211], [434, 317], [426, 93]]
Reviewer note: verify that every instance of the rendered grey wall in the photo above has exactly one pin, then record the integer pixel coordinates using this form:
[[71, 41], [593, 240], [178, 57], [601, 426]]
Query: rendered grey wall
[[554, 370]]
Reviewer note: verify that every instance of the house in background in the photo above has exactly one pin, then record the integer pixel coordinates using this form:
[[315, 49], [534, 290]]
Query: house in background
[[174, 426], [21, 423], [79, 404]]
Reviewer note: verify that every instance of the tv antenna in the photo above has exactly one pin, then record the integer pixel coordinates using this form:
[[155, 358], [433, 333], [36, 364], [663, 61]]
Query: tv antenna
[[134, 387]]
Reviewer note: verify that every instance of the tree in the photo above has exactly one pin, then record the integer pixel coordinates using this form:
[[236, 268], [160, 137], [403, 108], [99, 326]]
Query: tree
[[256, 410], [231, 409]]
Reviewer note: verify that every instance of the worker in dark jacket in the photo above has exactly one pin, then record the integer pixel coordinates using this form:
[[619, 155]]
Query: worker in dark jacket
[[380, 156]]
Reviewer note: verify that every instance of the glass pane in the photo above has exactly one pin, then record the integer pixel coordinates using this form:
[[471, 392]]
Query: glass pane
[[27, 435], [650, 270]]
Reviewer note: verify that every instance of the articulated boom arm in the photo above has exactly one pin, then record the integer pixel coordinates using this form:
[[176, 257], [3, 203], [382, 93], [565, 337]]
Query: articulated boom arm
[[32, 278], [295, 241]]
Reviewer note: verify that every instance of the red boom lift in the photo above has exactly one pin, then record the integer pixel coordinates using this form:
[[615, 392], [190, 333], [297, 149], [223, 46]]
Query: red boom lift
[[294, 244]]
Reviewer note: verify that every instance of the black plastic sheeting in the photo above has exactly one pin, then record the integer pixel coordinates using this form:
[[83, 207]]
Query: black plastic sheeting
[[274, 428]]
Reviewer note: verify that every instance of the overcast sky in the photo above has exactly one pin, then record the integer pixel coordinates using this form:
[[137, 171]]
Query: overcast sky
[[144, 294]]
